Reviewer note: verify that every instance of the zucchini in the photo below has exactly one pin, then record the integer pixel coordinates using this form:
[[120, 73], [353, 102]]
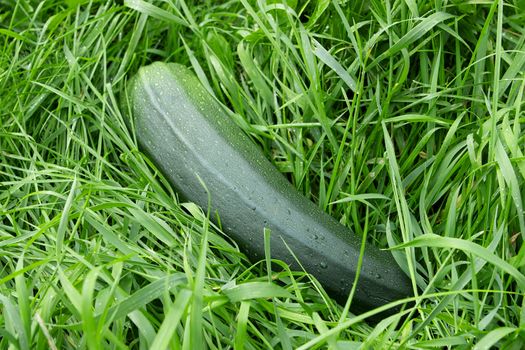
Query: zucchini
[[188, 136]]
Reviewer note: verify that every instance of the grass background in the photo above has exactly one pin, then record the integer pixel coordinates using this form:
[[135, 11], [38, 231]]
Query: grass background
[[402, 119]]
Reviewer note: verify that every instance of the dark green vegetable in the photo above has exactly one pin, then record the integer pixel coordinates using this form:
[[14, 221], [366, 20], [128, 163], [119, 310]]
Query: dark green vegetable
[[188, 135]]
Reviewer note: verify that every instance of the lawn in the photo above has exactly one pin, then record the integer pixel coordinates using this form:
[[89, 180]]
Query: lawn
[[401, 119]]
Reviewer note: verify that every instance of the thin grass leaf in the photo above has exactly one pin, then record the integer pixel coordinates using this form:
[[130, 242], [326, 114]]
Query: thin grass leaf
[[360, 197], [412, 118], [64, 218], [24, 307], [155, 226], [443, 342], [74, 297], [241, 335], [255, 290], [145, 295], [154, 11], [171, 321], [463, 280], [86, 310], [14, 327], [12, 34], [493, 337], [511, 179], [401, 203], [331, 62], [414, 34], [432, 240], [132, 47]]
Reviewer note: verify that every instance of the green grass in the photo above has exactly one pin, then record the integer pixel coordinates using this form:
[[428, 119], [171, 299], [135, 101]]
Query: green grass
[[402, 119]]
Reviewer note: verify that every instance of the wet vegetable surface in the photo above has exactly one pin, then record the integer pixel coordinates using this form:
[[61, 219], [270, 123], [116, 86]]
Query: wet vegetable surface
[[189, 136]]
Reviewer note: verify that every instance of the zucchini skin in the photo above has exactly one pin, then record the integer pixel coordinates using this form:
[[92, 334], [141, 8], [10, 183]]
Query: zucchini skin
[[188, 135]]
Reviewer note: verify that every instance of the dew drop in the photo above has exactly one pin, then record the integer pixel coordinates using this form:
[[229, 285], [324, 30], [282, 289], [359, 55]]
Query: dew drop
[[323, 265]]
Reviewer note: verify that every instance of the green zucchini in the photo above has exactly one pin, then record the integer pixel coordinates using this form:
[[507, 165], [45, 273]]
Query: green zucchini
[[188, 136]]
